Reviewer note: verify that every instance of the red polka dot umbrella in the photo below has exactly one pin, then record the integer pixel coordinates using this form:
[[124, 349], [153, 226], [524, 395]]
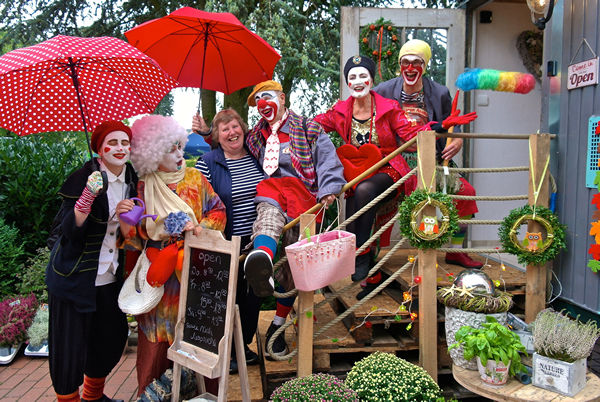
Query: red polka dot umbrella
[[73, 84], [206, 50]]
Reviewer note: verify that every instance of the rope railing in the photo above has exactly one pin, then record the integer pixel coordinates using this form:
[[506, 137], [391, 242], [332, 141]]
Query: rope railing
[[489, 197], [348, 221], [479, 221], [399, 244], [345, 313], [485, 170]]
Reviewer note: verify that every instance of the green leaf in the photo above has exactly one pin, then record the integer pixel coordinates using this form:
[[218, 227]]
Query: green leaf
[[594, 265]]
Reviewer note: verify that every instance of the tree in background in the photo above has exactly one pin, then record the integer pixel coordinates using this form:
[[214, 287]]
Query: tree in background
[[307, 34]]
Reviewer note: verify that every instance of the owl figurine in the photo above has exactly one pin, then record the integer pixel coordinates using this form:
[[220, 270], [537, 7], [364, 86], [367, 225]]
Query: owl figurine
[[531, 240], [429, 224]]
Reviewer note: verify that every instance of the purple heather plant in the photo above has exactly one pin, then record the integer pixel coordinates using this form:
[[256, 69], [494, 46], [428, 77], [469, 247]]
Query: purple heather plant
[[316, 387], [16, 315]]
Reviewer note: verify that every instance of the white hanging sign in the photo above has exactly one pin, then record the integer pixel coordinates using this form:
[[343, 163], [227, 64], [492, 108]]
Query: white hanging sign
[[582, 74]]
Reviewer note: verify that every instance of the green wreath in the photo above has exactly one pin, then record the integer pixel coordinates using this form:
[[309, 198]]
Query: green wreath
[[410, 209], [369, 46], [544, 250]]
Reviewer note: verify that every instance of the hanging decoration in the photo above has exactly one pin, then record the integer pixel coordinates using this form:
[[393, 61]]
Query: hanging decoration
[[428, 231], [533, 248], [379, 41], [594, 263]]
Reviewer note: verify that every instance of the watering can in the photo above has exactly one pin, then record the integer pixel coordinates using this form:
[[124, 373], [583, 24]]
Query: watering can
[[134, 216]]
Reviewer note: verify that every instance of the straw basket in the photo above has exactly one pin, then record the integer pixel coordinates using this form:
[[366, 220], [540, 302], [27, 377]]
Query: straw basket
[[326, 258]]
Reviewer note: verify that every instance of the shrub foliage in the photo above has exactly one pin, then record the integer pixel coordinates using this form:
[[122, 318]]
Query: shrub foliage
[[32, 169]]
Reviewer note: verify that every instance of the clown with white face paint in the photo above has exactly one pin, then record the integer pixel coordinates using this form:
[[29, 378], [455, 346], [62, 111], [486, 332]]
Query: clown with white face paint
[[115, 149], [303, 169], [359, 82], [167, 186], [88, 331], [424, 100], [372, 127]]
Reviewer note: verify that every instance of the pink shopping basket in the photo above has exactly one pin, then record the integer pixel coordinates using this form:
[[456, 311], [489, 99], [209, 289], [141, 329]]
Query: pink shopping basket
[[326, 258]]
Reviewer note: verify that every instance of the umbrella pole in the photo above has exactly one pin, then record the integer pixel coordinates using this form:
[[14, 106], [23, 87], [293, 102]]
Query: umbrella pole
[[202, 72], [76, 85]]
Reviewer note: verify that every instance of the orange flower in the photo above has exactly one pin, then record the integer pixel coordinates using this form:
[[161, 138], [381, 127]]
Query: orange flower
[[365, 40], [372, 27], [394, 38], [389, 27], [389, 52], [375, 52]]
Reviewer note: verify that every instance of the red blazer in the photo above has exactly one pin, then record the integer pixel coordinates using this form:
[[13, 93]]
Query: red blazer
[[393, 129]]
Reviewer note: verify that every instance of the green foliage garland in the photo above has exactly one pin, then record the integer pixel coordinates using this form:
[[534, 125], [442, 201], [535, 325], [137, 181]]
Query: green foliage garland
[[390, 47], [526, 257], [406, 212]]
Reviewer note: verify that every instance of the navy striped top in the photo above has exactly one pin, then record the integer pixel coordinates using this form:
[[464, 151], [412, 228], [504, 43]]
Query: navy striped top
[[245, 176]]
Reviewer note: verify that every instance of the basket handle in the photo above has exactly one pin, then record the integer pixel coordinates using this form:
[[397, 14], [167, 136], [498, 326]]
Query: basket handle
[[322, 209]]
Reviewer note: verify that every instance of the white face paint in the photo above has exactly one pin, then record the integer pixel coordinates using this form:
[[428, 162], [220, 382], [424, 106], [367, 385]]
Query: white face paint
[[268, 105], [412, 68], [173, 160], [359, 81], [115, 149]]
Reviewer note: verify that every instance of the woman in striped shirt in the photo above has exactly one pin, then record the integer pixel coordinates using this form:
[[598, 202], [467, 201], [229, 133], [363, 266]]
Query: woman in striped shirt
[[234, 175]]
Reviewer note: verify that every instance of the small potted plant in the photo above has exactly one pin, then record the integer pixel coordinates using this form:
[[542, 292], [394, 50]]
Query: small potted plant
[[562, 346], [315, 387], [386, 377], [471, 298], [38, 333], [16, 315], [496, 348]]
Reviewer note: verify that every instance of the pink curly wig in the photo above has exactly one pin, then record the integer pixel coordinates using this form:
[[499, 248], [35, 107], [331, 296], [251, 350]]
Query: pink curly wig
[[153, 137]]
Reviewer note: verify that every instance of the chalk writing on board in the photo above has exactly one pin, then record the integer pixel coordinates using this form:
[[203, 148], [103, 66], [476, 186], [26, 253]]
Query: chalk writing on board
[[206, 304]]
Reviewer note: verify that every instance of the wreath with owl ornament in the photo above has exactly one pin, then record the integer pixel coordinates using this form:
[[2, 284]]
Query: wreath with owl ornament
[[428, 231], [533, 249], [380, 42]]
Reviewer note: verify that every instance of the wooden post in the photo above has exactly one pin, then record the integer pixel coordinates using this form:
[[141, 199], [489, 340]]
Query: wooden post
[[305, 321], [537, 275], [427, 264]]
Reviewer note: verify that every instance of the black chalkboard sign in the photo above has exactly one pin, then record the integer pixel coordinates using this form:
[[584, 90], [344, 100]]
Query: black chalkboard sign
[[206, 304]]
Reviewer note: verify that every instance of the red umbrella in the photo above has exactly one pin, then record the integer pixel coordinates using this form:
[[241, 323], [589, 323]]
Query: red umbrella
[[206, 50], [73, 84]]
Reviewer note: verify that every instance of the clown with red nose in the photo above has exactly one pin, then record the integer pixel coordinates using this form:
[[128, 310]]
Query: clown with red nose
[[302, 168], [424, 100], [372, 127]]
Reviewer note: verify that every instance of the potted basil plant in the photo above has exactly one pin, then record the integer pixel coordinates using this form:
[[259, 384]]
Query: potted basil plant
[[495, 347]]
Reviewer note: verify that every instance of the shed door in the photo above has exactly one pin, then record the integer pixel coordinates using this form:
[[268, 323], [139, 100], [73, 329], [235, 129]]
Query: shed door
[[445, 26]]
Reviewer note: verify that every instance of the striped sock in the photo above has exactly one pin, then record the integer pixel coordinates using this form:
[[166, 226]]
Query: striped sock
[[93, 388], [267, 244]]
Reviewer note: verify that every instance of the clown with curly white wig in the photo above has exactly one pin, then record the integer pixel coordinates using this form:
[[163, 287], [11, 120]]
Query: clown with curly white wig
[[182, 198]]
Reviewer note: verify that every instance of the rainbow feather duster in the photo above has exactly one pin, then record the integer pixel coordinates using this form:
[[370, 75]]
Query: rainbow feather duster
[[495, 80]]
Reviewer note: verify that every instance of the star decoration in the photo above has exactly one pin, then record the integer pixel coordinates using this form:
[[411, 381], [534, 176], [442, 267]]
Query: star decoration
[[464, 291]]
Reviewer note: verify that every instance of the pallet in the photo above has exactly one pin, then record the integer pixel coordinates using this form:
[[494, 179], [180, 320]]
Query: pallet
[[514, 279]]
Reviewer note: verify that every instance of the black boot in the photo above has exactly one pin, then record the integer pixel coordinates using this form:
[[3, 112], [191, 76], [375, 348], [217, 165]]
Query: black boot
[[362, 266], [251, 359], [372, 283], [280, 348], [103, 399]]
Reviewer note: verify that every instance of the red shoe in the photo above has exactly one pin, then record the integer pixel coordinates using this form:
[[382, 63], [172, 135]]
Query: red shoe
[[462, 259]]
